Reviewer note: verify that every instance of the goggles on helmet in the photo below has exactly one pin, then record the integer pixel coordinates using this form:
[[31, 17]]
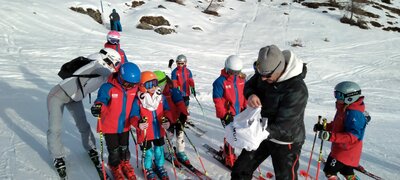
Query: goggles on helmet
[[341, 96], [110, 63], [113, 40], [265, 74], [150, 84]]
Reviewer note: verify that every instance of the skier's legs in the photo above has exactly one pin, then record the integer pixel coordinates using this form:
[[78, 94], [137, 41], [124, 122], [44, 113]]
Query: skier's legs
[[180, 138], [248, 161], [113, 149], [119, 27], [285, 159], [78, 113], [124, 146], [56, 100]]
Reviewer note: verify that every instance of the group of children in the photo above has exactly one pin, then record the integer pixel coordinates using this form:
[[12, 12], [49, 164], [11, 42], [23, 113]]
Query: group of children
[[156, 105], [151, 102]]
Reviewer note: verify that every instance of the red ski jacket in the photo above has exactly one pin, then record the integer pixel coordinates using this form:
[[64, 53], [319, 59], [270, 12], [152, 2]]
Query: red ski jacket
[[175, 102], [182, 78], [228, 92], [347, 130]]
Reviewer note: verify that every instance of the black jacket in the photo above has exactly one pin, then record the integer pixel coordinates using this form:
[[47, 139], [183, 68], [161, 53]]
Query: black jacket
[[283, 103]]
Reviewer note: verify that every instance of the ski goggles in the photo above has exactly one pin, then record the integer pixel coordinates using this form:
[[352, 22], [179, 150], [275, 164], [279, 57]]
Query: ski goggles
[[233, 72], [110, 63], [341, 96], [180, 63], [265, 74], [150, 84], [127, 84], [113, 40]]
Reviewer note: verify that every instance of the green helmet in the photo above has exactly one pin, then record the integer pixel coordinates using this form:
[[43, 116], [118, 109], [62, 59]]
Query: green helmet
[[161, 77], [181, 58], [347, 91]]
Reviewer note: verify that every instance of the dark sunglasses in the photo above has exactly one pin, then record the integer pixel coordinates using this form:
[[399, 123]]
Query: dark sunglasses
[[233, 72], [150, 84], [267, 75], [128, 85], [180, 63]]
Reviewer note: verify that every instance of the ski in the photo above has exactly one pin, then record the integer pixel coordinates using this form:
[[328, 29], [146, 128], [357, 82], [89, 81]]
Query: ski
[[361, 169], [95, 159], [188, 171], [198, 131], [217, 155]]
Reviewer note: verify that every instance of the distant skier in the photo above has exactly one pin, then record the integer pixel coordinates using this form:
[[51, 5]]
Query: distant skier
[[151, 117], [69, 93], [178, 111], [182, 78], [113, 104], [346, 131], [115, 23], [113, 42], [229, 99]]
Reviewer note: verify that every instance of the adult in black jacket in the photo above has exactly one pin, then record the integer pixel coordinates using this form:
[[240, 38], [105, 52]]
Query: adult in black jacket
[[279, 89], [115, 23]]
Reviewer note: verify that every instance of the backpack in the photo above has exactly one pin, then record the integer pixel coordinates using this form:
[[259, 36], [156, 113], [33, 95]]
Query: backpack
[[67, 70]]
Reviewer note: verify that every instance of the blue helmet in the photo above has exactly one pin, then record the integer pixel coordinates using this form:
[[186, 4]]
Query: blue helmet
[[130, 72]]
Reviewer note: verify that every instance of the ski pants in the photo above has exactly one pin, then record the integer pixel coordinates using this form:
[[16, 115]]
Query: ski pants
[[285, 160], [57, 99], [180, 138], [118, 148], [157, 152], [116, 25]]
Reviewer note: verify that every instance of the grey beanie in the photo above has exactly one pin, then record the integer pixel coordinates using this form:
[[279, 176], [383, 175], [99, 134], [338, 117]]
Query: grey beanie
[[270, 58]]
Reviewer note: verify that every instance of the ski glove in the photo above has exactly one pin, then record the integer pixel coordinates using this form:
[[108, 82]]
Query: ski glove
[[182, 118], [143, 125], [165, 123], [318, 127], [96, 110], [228, 118], [193, 91], [324, 135]]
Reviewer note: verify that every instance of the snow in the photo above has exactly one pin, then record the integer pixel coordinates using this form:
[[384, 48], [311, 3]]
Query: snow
[[39, 36]]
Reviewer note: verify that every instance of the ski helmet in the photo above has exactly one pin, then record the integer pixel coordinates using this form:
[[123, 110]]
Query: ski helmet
[[161, 77], [147, 81], [113, 37], [233, 64], [347, 91], [181, 58], [130, 72], [110, 58], [270, 60]]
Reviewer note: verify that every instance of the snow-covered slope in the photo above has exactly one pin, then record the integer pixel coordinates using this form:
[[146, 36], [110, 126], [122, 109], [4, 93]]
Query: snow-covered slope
[[37, 37]]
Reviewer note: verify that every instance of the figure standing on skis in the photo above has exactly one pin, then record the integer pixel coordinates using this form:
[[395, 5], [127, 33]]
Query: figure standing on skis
[[115, 23], [151, 117], [346, 131], [113, 42], [182, 78], [178, 112], [69, 93], [113, 105], [229, 99], [279, 89]]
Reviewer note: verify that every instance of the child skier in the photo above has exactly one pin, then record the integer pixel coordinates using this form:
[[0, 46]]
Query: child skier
[[229, 99], [151, 117], [113, 42], [113, 105], [182, 78], [346, 131], [178, 111]]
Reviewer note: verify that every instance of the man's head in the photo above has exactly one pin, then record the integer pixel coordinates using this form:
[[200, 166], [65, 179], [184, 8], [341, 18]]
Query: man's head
[[270, 63]]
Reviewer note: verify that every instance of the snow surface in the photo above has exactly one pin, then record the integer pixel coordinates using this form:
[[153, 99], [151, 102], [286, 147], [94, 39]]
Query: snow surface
[[37, 37]]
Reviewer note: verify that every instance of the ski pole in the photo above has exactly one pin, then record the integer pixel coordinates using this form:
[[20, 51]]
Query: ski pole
[[169, 146], [320, 152], [201, 107], [143, 120], [136, 146], [312, 148], [194, 147], [101, 147]]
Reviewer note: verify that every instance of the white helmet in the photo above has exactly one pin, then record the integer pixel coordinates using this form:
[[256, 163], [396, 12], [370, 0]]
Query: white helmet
[[181, 58], [233, 63], [110, 58]]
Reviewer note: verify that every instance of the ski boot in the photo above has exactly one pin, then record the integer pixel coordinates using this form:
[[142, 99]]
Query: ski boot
[[94, 156], [150, 175], [128, 170], [228, 154], [59, 164], [182, 158], [162, 173], [116, 172]]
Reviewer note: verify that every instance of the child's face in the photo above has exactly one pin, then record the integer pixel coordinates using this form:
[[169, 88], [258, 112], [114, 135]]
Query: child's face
[[152, 90]]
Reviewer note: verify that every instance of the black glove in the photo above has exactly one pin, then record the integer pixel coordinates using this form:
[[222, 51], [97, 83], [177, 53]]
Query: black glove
[[182, 118], [318, 127], [228, 118], [96, 110], [193, 91], [325, 135]]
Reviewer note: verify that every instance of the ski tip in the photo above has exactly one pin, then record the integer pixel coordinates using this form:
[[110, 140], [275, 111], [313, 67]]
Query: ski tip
[[269, 175], [303, 173]]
